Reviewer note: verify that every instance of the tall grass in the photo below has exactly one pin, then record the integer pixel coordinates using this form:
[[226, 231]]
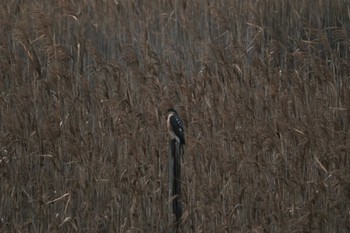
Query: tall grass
[[263, 87]]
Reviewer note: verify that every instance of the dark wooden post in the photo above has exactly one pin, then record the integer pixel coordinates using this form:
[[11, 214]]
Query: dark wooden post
[[175, 207]]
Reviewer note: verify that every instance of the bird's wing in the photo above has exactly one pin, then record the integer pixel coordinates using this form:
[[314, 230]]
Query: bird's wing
[[177, 126]]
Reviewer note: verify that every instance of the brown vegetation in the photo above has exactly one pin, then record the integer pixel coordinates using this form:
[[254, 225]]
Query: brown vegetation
[[262, 86]]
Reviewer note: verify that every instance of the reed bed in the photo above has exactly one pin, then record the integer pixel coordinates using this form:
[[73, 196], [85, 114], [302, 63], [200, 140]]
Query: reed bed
[[262, 86]]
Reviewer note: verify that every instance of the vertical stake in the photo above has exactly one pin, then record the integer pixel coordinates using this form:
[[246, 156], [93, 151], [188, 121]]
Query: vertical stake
[[175, 207]]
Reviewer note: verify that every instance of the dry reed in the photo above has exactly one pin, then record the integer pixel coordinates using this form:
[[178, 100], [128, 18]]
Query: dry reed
[[262, 87]]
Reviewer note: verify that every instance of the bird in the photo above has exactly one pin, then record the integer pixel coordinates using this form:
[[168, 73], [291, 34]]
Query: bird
[[175, 126]]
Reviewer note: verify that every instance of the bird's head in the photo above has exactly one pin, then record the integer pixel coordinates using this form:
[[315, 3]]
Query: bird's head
[[172, 110]]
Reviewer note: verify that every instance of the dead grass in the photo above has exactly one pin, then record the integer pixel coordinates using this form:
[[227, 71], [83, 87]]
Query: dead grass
[[262, 87]]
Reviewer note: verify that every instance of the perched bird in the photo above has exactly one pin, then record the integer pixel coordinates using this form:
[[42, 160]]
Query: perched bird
[[175, 126]]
